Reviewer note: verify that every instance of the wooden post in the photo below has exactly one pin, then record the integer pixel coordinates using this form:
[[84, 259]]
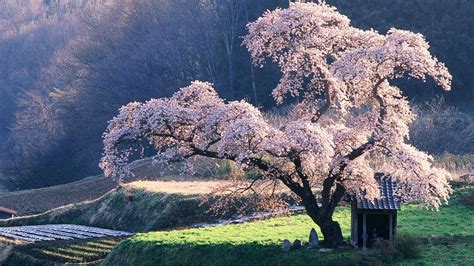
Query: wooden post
[[394, 224], [364, 232], [390, 224], [352, 224], [355, 224]]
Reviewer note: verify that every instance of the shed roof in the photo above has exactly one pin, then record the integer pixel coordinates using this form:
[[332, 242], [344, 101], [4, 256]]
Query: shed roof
[[388, 199]]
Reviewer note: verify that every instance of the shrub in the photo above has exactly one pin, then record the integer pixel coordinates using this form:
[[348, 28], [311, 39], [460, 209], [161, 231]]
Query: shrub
[[468, 199], [203, 167], [402, 247], [407, 246]]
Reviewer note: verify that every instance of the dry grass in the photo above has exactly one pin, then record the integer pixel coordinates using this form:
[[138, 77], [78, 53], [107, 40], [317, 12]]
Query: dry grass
[[34, 201], [39, 200], [199, 187], [179, 187], [458, 165]]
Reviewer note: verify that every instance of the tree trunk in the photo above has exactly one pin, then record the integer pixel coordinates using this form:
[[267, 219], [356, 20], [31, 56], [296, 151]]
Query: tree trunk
[[331, 230], [332, 233]]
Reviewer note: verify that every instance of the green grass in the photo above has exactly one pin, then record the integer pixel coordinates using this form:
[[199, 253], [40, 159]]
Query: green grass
[[447, 234], [454, 220], [261, 232], [243, 244]]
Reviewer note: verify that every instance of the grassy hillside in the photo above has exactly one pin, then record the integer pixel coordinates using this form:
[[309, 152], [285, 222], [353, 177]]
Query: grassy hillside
[[128, 208], [34, 201], [447, 236], [137, 206], [39, 200]]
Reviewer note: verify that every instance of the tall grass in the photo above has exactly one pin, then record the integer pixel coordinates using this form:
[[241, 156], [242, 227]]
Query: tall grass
[[458, 165]]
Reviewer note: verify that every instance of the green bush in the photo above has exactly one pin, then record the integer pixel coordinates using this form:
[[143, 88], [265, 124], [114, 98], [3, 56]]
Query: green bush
[[408, 247], [402, 247], [468, 199]]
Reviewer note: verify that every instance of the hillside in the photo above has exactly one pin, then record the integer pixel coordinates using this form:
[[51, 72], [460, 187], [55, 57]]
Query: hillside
[[43, 199], [135, 207], [59, 252], [34, 201], [445, 238]]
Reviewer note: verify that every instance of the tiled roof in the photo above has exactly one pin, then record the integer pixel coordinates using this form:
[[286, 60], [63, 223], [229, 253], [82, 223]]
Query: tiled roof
[[388, 200]]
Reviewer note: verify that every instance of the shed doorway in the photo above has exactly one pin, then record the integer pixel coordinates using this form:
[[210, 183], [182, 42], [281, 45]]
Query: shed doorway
[[377, 226]]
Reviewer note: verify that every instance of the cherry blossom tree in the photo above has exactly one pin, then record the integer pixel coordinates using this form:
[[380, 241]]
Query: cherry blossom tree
[[349, 115]]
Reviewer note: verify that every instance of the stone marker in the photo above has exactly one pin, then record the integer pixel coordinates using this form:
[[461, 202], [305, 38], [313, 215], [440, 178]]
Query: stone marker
[[313, 239], [286, 245], [296, 244]]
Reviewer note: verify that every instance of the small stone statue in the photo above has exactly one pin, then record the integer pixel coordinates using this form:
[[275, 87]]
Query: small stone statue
[[313, 239], [286, 245], [297, 244]]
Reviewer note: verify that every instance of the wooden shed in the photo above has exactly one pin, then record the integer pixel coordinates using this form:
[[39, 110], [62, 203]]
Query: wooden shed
[[372, 220], [6, 213]]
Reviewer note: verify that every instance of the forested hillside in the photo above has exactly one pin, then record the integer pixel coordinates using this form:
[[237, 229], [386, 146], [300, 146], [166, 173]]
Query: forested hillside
[[67, 66]]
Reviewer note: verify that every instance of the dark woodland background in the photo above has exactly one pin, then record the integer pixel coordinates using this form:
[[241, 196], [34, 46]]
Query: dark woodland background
[[67, 66]]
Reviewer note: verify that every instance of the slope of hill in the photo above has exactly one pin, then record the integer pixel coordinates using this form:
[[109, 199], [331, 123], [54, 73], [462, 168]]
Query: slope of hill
[[39, 200], [34, 201], [446, 236], [134, 207]]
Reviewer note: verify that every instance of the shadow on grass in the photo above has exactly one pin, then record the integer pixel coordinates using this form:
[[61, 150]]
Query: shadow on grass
[[141, 253], [67, 251]]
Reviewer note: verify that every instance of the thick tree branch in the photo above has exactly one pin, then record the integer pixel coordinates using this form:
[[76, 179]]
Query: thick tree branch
[[328, 97], [260, 164], [329, 202], [307, 191]]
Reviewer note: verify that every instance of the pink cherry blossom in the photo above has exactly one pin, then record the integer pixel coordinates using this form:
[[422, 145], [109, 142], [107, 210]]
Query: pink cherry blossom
[[350, 122]]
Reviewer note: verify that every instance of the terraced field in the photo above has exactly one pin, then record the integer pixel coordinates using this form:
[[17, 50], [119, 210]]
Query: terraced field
[[52, 232], [78, 251], [58, 243]]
